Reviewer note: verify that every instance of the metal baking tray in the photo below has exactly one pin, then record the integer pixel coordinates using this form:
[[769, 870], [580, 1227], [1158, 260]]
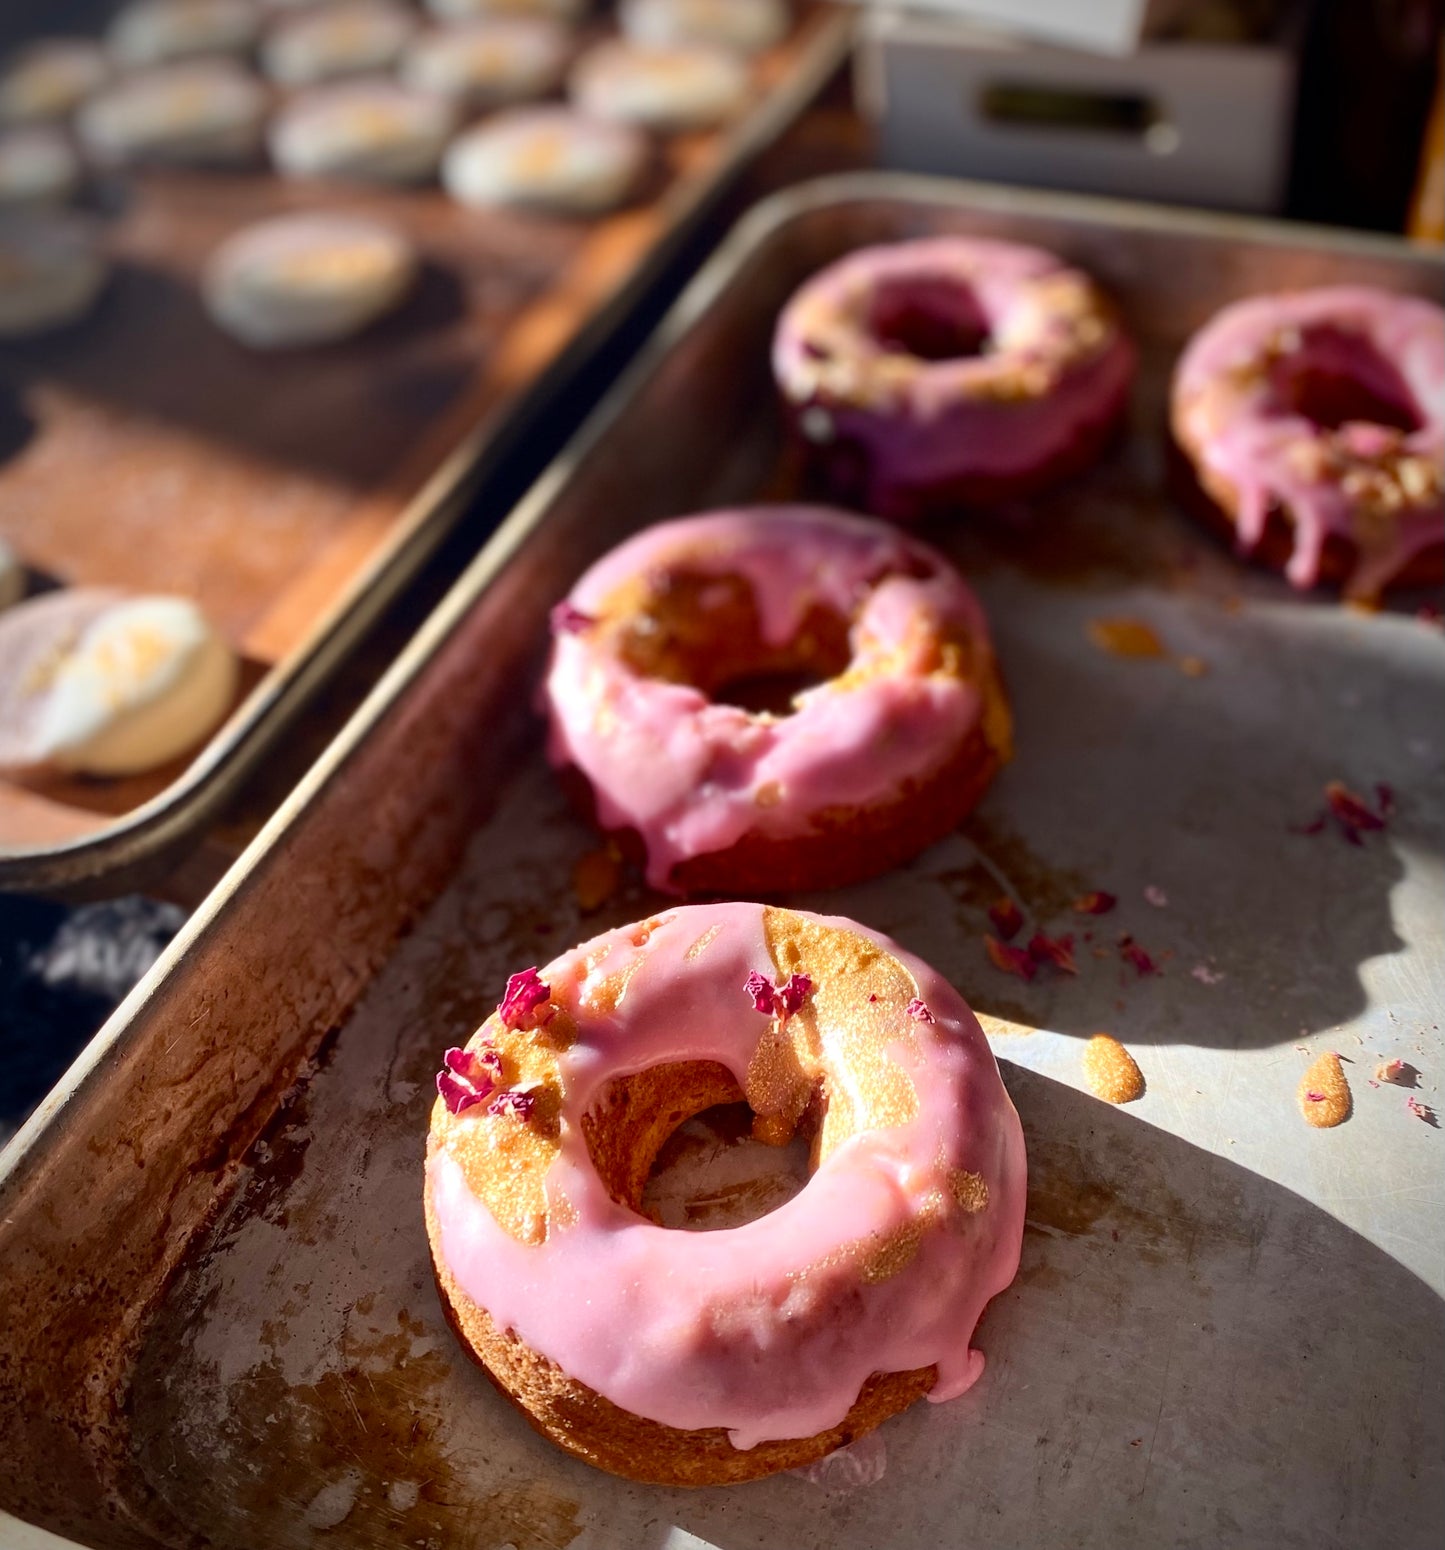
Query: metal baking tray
[[294, 498], [220, 1327]]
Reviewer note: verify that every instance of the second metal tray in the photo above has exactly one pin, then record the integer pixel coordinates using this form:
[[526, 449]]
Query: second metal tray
[[294, 498], [219, 1322]]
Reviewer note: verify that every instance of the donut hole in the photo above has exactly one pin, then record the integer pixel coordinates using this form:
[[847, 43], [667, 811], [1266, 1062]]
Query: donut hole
[[1335, 377], [712, 1173], [674, 1144], [931, 317], [704, 631]]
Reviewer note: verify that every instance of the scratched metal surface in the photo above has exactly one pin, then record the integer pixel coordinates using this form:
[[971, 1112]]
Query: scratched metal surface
[[1222, 1327]]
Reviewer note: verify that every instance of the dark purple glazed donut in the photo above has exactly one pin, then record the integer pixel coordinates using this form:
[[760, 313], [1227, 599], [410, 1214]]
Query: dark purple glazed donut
[[949, 372]]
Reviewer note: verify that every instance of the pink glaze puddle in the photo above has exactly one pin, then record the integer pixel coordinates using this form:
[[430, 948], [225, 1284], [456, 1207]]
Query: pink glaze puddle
[[692, 776], [767, 1329], [1253, 391]]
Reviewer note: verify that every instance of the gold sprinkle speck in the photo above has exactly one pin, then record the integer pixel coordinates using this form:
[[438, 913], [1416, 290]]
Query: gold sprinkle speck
[[1111, 1071], [970, 1190], [702, 944], [1324, 1093]]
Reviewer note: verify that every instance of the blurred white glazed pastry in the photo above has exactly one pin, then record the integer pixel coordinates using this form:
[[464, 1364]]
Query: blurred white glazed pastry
[[464, 10], [488, 63], [51, 271], [345, 38], [208, 112], [306, 279], [50, 79], [684, 87], [747, 25], [370, 130], [38, 166], [550, 157], [151, 32], [98, 683], [12, 576]]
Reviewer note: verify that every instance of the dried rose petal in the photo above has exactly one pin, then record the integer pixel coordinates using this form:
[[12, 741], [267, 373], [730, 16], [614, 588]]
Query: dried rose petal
[[517, 1104], [1131, 952], [467, 1077], [1315, 1097], [1096, 903], [1351, 811], [918, 1010], [1156, 896], [1007, 918], [525, 992], [1385, 799], [792, 995], [1057, 950], [1012, 960], [1314, 826], [760, 988], [568, 619], [777, 1000]]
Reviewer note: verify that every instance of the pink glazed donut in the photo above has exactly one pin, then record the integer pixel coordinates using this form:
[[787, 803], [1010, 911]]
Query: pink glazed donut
[[703, 1358], [1312, 429], [950, 371], [773, 698]]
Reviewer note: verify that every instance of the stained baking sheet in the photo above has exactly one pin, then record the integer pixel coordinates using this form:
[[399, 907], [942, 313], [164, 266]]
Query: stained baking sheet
[[221, 1326], [293, 494]]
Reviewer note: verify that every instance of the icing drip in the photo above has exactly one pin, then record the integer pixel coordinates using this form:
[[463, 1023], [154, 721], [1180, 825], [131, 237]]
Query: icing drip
[[910, 1222], [1238, 409]]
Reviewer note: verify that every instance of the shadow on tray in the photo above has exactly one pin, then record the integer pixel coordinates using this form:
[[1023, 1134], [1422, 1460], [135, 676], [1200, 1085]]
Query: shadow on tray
[[1191, 1354]]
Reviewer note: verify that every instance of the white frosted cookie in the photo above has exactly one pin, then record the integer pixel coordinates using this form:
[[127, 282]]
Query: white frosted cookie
[[38, 166], [306, 279], [550, 157], [488, 63], [49, 79], [98, 683], [463, 10], [12, 576], [345, 38], [51, 271], [690, 86], [747, 25], [152, 32], [370, 130], [208, 112]]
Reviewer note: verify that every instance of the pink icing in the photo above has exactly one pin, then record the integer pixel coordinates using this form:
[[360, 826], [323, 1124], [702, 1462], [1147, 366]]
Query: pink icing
[[686, 773], [766, 1329], [1230, 410], [957, 418]]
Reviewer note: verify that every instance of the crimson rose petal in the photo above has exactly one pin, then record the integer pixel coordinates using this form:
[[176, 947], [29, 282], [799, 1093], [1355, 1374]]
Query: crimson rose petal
[[525, 992], [761, 990]]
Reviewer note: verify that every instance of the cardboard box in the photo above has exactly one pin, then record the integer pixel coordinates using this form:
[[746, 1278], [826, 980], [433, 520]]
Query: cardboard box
[[1183, 122], [1113, 26]]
